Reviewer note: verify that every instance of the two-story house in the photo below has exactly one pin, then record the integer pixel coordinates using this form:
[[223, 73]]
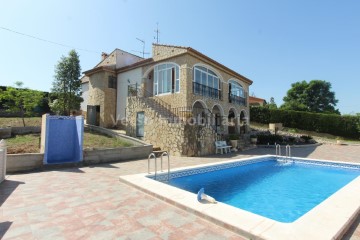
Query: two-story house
[[179, 99]]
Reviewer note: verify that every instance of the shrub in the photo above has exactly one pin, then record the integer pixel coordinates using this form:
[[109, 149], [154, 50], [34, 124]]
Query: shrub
[[345, 126], [306, 138], [233, 137], [269, 139]]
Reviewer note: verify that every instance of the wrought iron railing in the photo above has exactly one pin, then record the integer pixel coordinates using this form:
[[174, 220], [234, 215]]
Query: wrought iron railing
[[237, 99], [200, 89]]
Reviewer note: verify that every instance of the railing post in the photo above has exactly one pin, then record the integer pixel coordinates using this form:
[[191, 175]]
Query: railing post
[[3, 153]]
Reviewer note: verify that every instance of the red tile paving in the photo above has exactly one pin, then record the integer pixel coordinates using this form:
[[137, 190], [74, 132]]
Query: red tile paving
[[91, 203]]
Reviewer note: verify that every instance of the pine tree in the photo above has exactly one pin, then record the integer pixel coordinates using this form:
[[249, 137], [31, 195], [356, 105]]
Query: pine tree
[[66, 88]]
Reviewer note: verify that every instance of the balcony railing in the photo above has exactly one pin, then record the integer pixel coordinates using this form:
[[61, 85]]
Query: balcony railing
[[237, 100], [206, 91]]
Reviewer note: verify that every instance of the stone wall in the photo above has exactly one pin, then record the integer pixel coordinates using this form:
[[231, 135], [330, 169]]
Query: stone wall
[[24, 162], [116, 154], [100, 94], [111, 133], [160, 52], [25, 130], [179, 139], [199, 140], [109, 110], [157, 131]]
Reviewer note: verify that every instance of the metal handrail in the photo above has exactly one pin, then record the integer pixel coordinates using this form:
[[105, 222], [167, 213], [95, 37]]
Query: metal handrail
[[168, 155], [150, 156], [288, 151], [237, 99], [277, 150]]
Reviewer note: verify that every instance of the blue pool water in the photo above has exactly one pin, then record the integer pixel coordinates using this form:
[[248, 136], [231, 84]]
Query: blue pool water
[[282, 192]]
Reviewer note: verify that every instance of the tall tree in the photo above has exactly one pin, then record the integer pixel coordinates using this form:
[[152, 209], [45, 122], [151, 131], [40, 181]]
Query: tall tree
[[66, 88], [272, 104], [21, 100], [315, 96]]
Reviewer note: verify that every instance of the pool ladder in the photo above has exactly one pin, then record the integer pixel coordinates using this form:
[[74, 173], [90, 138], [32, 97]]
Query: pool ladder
[[164, 154], [287, 151]]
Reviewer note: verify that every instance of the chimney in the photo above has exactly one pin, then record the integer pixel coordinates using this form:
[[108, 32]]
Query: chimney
[[104, 55]]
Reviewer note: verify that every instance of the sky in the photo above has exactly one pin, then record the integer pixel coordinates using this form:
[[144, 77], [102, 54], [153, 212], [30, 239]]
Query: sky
[[274, 43]]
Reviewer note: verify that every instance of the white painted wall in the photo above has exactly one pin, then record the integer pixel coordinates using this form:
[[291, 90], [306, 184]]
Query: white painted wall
[[123, 58], [85, 96], [134, 76]]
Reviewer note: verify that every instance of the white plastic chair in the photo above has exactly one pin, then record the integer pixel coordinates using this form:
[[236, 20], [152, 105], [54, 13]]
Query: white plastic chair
[[226, 147], [219, 147]]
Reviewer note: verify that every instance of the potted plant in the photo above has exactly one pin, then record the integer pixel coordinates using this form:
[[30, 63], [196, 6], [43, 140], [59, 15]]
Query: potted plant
[[234, 140], [253, 139]]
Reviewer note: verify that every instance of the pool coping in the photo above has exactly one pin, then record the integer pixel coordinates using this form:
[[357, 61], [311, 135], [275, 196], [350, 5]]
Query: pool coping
[[328, 220]]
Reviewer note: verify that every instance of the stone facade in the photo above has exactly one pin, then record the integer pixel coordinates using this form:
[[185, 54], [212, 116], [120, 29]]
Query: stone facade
[[161, 52], [177, 138], [186, 97], [101, 95]]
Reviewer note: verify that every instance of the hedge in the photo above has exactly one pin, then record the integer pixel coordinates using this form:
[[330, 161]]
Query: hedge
[[345, 126]]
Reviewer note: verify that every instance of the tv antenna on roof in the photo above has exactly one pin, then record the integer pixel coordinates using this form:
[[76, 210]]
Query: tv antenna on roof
[[157, 32], [143, 51]]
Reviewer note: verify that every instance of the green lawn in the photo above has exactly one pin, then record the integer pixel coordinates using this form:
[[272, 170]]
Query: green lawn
[[31, 143], [17, 122]]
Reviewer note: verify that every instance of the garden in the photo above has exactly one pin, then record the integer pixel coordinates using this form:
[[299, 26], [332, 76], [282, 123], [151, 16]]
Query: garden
[[30, 143]]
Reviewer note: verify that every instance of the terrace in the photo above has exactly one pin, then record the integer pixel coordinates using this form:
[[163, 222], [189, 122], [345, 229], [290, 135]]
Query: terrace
[[90, 202]]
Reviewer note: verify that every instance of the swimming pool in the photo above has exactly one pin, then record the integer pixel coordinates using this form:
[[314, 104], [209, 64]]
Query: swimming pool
[[327, 220], [279, 190]]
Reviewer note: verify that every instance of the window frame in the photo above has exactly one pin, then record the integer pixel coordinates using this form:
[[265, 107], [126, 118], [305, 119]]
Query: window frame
[[232, 83], [172, 83], [207, 71]]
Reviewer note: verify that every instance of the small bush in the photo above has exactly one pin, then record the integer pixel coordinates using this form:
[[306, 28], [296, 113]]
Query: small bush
[[306, 138], [233, 137], [269, 139]]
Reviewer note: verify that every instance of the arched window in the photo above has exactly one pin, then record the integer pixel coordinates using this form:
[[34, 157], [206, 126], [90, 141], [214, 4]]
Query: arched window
[[236, 93], [166, 78], [236, 89], [206, 82]]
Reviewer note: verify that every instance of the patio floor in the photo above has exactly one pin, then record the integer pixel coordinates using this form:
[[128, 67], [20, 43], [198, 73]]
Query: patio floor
[[91, 203]]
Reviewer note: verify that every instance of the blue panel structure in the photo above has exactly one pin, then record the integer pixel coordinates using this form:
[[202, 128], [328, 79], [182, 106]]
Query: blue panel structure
[[64, 139]]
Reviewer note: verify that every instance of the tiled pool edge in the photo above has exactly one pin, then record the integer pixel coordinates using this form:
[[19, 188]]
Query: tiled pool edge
[[184, 207], [310, 226]]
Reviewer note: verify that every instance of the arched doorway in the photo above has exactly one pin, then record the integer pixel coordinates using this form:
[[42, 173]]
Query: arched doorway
[[216, 118], [243, 122], [232, 129], [199, 111]]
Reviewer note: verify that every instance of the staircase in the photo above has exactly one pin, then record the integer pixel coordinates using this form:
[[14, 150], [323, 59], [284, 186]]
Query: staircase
[[162, 108], [163, 111]]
